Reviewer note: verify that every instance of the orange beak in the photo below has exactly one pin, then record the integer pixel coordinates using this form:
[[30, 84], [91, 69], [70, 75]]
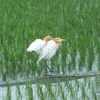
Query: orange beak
[[63, 39]]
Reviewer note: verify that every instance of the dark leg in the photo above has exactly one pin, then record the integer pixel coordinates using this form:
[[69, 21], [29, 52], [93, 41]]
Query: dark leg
[[46, 66]]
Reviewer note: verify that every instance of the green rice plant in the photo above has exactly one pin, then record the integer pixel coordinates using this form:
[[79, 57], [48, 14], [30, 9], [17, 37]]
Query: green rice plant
[[18, 93], [61, 91], [50, 93], [29, 92], [94, 93], [41, 94], [8, 95]]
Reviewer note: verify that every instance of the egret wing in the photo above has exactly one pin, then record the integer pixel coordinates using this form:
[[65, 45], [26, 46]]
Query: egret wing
[[48, 50], [36, 46]]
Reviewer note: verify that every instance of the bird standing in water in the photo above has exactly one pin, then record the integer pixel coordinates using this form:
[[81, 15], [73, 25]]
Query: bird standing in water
[[49, 50]]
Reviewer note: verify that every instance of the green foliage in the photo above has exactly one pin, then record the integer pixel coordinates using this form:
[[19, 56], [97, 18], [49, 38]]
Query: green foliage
[[21, 22], [24, 21]]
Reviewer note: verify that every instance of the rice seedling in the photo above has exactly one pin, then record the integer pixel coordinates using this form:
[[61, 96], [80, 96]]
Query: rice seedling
[[18, 93], [8, 95]]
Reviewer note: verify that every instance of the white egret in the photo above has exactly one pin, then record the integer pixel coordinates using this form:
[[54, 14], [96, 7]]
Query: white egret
[[37, 45], [49, 50]]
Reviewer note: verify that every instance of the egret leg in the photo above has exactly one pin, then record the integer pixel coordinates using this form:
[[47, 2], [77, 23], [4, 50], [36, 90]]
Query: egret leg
[[46, 66]]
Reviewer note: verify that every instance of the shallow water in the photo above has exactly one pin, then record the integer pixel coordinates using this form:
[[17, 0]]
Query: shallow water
[[72, 90]]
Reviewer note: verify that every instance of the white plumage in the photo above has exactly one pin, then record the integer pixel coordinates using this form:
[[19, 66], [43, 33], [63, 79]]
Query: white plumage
[[36, 46], [48, 51]]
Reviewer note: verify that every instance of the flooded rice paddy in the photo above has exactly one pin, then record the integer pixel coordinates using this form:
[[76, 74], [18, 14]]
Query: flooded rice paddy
[[21, 22]]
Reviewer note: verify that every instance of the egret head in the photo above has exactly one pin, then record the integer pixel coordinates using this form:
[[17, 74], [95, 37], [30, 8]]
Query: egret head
[[48, 38], [57, 39]]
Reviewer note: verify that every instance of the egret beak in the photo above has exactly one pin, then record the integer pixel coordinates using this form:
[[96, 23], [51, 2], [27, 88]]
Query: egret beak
[[63, 39]]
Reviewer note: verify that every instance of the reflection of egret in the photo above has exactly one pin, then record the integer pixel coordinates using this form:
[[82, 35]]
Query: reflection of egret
[[49, 50], [37, 45]]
